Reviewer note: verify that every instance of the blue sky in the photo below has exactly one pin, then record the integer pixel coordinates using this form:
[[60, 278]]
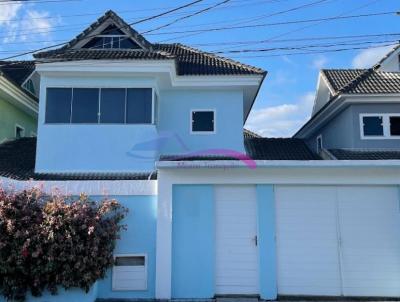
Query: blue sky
[[286, 98]]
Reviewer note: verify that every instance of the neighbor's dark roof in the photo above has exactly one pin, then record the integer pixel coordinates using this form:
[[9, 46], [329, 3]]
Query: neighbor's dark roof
[[362, 81], [17, 71], [189, 61], [17, 161], [278, 149], [345, 154]]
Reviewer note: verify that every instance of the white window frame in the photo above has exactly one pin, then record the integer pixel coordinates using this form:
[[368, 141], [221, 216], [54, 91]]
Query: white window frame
[[23, 130], [33, 134], [319, 138], [115, 286], [386, 126], [202, 132]]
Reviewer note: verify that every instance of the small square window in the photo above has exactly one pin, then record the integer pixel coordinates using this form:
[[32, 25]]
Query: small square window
[[395, 125], [19, 131], [203, 121], [373, 125]]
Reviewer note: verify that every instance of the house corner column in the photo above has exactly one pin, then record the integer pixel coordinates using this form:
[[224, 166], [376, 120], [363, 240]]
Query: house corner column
[[164, 239]]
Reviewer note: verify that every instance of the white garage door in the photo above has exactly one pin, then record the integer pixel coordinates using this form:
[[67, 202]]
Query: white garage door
[[236, 250], [370, 241], [338, 240], [307, 252]]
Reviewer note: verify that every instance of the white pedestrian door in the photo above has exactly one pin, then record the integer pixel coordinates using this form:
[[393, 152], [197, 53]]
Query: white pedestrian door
[[236, 241]]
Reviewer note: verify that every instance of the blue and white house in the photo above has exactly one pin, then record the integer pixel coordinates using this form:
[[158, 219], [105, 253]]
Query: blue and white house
[[216, 210]]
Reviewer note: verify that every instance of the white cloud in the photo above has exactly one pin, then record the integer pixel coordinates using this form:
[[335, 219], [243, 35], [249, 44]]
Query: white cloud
[[319, 62], [368, 57], [18, 22], [9, 12], [282, 120]]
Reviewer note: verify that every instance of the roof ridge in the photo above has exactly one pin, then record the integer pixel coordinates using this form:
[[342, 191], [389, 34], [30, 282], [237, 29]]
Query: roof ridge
[[354, 82]]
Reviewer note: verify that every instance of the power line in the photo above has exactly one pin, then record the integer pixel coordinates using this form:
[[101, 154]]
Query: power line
[[275, 23], [130, 24], [187, 16]]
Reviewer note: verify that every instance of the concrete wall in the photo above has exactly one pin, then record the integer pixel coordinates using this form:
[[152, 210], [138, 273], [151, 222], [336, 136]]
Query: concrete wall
[[193, 243], [11, 115]]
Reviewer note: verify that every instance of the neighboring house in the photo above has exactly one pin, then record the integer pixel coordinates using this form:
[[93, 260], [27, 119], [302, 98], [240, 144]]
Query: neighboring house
[[214, 210], [357, 112], [18, 99]]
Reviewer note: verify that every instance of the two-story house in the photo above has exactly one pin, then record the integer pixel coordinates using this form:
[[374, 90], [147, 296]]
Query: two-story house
[[357, 112], [215, 211], [18, 100]]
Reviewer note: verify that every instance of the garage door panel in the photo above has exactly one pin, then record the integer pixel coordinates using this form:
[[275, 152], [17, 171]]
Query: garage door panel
[[307, 241], [369, 226]]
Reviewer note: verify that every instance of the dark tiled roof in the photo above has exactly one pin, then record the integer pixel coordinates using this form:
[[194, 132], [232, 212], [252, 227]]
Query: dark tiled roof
[[17, 161], [17, 71], [345, 154], [278, 149], [362, 81], [250, 134], [189, 61], [104, 54], [188, 157]]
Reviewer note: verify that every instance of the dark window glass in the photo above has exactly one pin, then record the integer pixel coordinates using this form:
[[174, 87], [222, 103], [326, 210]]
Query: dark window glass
[[19, 132], [395, 125], [107, 42], [58, 105], [112, 30], [130, 261], [138, 106], [85, 105], [373, 126], [96, 43], [112, 106], [127, 43], [202, 121]]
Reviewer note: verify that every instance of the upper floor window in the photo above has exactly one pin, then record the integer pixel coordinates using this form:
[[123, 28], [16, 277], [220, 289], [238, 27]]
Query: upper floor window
[[202, 121], [100, 105], [380, 126], [111, 38], [319, 144]]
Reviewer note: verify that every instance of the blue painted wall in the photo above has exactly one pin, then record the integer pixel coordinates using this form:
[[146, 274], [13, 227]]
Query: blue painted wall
[[193, 242], [140, 237], [175, 119], [83, 147], [266, 241]]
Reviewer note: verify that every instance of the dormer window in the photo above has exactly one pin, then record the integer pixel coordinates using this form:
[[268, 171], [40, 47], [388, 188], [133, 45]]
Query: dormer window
[[112, 38]]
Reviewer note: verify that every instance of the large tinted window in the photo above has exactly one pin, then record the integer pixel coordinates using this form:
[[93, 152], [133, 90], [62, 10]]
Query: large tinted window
[[58, 105], [85, 105], [203, 121], [138, 106], [395, 125], [112, 106], [373, 125]]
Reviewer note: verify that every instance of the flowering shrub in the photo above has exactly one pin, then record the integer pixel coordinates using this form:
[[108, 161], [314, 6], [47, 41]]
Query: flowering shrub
[[55, 241]]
